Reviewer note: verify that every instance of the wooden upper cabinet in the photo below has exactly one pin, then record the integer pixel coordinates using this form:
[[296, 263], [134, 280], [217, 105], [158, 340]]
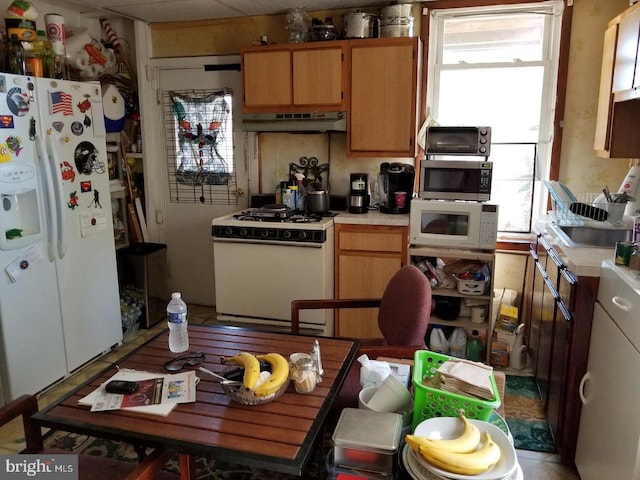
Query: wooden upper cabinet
[[383, 96], [627, 51], [605, 98], [619, 102], [294, 78], [267, 78], [317, 77]]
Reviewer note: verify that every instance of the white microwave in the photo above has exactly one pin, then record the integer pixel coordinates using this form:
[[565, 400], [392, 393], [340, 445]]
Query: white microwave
[[454, 224]]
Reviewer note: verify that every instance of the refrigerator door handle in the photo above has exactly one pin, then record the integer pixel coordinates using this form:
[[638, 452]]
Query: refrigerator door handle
[[58, 189], [50, 200]]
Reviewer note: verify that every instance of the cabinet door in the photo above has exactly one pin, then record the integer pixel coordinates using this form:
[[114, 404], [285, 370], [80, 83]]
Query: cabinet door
[[317, 77], [605, 96], [267, 78], [382, 114], [537, 291], [608, 440], [626, 51], [364, 276]]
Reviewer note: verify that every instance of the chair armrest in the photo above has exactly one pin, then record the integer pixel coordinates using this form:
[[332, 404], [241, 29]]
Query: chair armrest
[[25, 406], [392, 351], [151, 465], [322, 304]]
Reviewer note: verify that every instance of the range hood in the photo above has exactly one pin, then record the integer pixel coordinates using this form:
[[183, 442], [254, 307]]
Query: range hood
[[295, 122]]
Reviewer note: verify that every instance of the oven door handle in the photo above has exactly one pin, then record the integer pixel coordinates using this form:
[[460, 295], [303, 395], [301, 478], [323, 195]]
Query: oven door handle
[[278, 243]]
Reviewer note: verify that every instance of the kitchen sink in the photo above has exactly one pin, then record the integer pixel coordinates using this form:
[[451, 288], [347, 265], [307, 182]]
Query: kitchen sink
[[588, 236]]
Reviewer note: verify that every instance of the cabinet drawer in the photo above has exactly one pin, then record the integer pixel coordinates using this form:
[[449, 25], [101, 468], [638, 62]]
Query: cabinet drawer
[[620, 300], [388, 241]]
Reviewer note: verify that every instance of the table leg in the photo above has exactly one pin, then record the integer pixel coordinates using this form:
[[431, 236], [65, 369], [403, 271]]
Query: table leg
[[187, 466]]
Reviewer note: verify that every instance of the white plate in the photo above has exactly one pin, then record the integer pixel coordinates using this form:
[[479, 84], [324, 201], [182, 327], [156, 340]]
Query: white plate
[[451, 427], [418, 472]]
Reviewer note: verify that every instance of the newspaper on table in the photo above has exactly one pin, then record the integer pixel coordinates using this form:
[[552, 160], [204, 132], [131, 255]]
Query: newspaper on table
[[157, 394]]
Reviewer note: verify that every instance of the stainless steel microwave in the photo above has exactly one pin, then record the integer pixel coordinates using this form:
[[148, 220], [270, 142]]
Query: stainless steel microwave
[[458, 141], [455, 180]]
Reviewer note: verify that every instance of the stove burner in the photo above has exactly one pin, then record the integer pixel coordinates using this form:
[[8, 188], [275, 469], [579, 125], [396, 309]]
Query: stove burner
[[277, 213]]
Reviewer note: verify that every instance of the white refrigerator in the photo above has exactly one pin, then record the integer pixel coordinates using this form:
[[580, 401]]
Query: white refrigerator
[[59, 299]]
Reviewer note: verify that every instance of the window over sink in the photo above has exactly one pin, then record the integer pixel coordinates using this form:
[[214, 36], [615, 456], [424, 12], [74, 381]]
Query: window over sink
[[498, 66]]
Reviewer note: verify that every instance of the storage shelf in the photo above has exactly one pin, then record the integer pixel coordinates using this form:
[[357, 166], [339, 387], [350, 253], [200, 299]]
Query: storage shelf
[[453, 292], [459, 322]]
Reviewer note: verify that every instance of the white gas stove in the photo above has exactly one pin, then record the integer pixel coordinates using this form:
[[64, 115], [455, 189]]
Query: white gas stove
[[267, 257]]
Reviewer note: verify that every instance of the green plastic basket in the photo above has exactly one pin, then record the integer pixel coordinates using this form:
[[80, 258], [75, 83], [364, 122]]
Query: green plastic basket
[[431, 402]]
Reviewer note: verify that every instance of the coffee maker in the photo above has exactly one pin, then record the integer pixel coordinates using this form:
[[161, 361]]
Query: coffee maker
[[359, 193], [395, 187]]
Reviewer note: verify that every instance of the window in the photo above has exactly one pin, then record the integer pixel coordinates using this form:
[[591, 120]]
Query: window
[[497, 66], [199, 145]]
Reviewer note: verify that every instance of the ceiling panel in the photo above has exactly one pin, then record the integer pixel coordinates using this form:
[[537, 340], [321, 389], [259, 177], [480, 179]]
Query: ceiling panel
[[155, 11]]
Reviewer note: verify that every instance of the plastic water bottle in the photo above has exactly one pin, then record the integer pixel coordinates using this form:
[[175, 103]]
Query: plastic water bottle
[[177, 320], [458, 343], [438, 341]]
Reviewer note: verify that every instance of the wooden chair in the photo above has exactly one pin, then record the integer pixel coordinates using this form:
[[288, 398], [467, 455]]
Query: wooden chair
[[90, 467], [403, 318]]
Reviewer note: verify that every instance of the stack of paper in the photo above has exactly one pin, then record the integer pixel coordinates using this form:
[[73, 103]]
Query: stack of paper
[[157, 394], [467, 378]]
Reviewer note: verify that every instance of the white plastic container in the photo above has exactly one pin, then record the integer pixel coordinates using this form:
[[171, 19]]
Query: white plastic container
[[458, 343], [438, 341], [177, 321]]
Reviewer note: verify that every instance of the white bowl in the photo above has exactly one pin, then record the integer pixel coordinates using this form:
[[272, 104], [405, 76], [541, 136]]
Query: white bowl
[[450, 427]]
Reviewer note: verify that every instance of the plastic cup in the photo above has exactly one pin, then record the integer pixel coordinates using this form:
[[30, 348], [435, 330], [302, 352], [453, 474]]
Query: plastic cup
[[391, 396], [401, 198], [406, 411]]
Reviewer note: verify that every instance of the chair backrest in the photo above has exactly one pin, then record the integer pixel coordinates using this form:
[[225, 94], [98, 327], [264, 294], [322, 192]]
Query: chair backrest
[[405, 308]]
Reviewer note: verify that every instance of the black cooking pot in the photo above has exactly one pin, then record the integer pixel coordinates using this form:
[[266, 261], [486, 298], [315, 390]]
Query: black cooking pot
[[447, 308], [318, 201]]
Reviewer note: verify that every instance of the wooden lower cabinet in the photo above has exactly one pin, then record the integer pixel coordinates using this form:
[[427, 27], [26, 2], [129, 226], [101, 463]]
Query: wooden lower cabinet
[[558, 312], [367, 256]]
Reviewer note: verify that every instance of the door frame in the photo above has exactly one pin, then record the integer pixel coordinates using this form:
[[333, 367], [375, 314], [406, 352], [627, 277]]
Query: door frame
[[150, 100]]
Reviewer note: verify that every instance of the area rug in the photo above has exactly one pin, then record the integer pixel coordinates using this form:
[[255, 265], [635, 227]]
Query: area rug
[[525, 416], [205, 468]]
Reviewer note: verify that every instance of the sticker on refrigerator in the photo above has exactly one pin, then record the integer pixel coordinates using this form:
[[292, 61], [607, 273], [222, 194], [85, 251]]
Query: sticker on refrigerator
[[85, 186], [14, 144], [92, 223], [77, 128], [61, 102], [6, 121], [18, 101], [5, 153], [85, 156], [58, 126], [73, 200], [67, 172], [84, 105], [96, 200]]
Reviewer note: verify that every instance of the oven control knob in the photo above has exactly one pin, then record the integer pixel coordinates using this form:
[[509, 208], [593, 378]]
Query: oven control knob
[[228, 231], [483, 140], [286, 234], [483, 149], [264, 233], [243, 232], [302, 235]]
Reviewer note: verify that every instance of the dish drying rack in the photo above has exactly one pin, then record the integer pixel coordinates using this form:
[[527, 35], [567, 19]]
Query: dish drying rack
[[582, 209]]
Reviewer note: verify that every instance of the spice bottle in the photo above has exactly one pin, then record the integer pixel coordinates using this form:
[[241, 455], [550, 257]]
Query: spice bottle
[[304, 376]]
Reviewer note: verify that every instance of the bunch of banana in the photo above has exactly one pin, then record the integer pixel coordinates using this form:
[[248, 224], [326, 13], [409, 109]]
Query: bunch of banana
[[251, 363], [470, 453]]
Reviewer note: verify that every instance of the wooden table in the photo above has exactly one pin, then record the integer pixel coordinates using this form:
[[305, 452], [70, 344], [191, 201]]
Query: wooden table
[[276, 436]]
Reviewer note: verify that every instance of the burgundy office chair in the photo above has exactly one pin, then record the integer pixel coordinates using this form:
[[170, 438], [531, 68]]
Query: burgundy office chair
[[90, 467], [403, 318]]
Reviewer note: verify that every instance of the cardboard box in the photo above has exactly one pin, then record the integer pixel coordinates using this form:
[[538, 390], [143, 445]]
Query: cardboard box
[[507, 318]]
